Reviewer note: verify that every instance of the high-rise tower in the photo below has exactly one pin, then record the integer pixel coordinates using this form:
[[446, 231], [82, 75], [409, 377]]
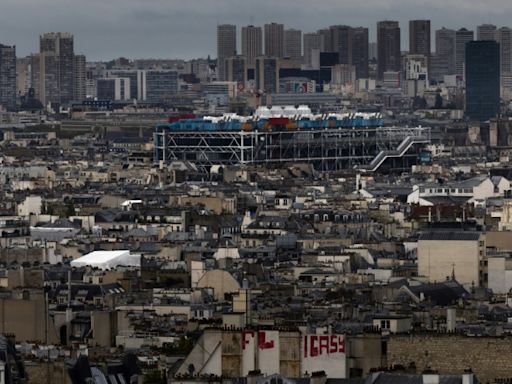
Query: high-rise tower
[[226, 46], [388, 46]]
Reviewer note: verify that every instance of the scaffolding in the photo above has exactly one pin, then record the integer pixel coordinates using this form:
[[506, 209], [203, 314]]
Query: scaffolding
[[328, 149]]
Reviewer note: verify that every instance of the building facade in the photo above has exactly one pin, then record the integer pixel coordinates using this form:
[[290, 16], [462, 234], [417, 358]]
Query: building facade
[[419, 39], [8, 77], [445, 53], [486, 32], [313, 45], [53, 69], [252, 44], [236, 70], [388, 46], [267, 74], [293, 44], [117, 88], [482, 80], [360, 51], [226, 46], [80, 78], [274, 40], [462, 37], [442, 255]]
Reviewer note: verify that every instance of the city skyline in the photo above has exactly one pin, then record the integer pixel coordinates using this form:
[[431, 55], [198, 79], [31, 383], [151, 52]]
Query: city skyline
[[106, 30]]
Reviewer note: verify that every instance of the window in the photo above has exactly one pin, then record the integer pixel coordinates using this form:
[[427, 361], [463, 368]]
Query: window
[[384, 324]]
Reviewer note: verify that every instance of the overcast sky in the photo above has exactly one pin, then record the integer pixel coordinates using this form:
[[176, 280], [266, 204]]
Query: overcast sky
[[106, 29]]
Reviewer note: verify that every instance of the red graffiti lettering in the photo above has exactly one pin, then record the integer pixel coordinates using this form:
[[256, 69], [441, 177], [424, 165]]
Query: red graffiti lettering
[[341, 344], [324, 345], [262, 343], [315, 345], [245, 339], [334, 344], [313, 349]]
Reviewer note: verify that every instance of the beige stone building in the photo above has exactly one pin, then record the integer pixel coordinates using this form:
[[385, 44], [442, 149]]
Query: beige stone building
[[443, 254]]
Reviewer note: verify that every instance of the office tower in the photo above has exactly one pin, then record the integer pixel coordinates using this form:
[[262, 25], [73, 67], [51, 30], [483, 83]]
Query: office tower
[[360, 51], [482, 62], [8, 77], [236, 70], [61, 47], [274, 40], [372, 51], [23, 75], [327, 41], [504, 38], [388, 47], [156, 86], [486, 32], [252, 44], [80, 78], [226, 46], [55, 76], [341, 39], [133, 75], [313, 45], [443, 62], [438, 68], [293, 44], [419, 38], [267, 74], [462, 37], [351, 44], [116, 88]]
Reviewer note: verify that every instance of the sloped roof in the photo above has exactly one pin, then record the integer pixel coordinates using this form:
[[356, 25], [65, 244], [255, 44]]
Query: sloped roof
[[444, 293]]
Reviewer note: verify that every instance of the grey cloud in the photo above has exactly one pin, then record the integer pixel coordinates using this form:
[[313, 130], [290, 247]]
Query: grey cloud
[[186, 28]]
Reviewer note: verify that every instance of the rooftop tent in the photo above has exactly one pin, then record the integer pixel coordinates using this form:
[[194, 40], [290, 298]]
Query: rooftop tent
[[108, 259]]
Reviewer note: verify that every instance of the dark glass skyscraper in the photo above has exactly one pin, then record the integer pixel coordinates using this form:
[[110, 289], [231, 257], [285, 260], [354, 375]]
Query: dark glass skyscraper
[[274, 40], [360, 51], [351, 44], [226, 46], [8, 77], [388, 47], [482, 80], [419, 37]]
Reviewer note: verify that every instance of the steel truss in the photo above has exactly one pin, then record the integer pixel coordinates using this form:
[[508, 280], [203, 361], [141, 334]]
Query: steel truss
[[327, 149]]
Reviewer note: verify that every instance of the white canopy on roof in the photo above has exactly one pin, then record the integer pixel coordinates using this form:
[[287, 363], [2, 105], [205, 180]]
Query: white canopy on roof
[[108, 259]]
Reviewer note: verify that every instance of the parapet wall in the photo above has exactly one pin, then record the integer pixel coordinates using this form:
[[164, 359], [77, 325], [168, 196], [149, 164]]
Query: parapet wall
[[488, 357]]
